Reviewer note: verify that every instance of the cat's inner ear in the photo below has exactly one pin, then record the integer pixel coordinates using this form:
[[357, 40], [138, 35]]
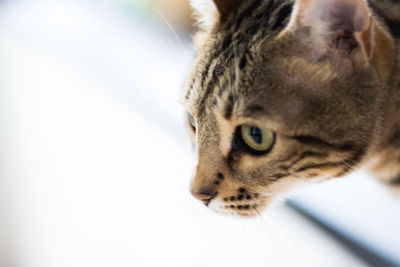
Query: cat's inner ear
[[342, 24]]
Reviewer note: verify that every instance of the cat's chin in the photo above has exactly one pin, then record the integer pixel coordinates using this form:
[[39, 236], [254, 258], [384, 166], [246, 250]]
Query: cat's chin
[[236, 214], [243, 210], [243, 215]]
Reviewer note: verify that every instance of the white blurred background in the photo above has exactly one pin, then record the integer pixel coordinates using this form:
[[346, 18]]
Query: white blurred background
[[95, 163]]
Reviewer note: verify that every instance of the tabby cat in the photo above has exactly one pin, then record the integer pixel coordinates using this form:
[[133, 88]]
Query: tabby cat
[[287, 91]]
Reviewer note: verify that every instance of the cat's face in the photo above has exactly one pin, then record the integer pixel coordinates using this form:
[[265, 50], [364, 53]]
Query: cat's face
[[269, 106]]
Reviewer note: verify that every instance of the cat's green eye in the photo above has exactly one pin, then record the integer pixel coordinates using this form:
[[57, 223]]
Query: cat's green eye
[[191, 121], [259, 140]]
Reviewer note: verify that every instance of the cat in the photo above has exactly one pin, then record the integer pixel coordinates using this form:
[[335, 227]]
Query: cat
[[288, 91]]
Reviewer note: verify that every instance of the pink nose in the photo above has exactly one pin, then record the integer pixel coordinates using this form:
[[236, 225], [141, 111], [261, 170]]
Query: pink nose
[[205, 198]]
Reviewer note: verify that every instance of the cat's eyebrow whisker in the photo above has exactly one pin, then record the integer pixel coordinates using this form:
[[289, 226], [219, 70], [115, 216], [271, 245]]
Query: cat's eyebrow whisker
[[164, 19]]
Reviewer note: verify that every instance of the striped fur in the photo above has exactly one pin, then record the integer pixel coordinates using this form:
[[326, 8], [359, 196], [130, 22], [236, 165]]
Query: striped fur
[[332, 112]]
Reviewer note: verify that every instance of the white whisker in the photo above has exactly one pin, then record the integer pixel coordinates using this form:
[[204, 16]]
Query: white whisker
[[171, 28]]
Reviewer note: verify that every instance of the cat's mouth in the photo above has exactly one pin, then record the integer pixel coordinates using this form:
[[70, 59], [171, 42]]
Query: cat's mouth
[[245, 211], [235, 207]]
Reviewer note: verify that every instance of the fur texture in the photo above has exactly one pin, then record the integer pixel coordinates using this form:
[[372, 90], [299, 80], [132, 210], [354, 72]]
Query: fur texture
[[323, 75]]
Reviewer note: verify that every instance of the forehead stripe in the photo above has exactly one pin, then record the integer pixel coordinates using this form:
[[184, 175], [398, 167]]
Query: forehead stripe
[[229, 107], [240, 38], [247, 13], [282, 16]]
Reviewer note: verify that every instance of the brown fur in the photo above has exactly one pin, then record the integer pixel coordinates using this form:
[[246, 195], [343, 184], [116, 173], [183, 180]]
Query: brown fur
[[332, 99], [226, 6]]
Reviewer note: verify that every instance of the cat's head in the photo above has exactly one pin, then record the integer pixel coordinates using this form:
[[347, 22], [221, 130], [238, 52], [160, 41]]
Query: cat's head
[[280, 92]]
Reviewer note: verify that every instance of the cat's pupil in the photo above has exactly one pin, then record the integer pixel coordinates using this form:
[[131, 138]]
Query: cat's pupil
[[256, 134]]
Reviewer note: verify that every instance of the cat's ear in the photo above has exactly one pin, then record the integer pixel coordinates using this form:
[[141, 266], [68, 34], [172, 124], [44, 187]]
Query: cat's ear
[[206, 12], [226, 6], [210, 11], [337, 24]]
